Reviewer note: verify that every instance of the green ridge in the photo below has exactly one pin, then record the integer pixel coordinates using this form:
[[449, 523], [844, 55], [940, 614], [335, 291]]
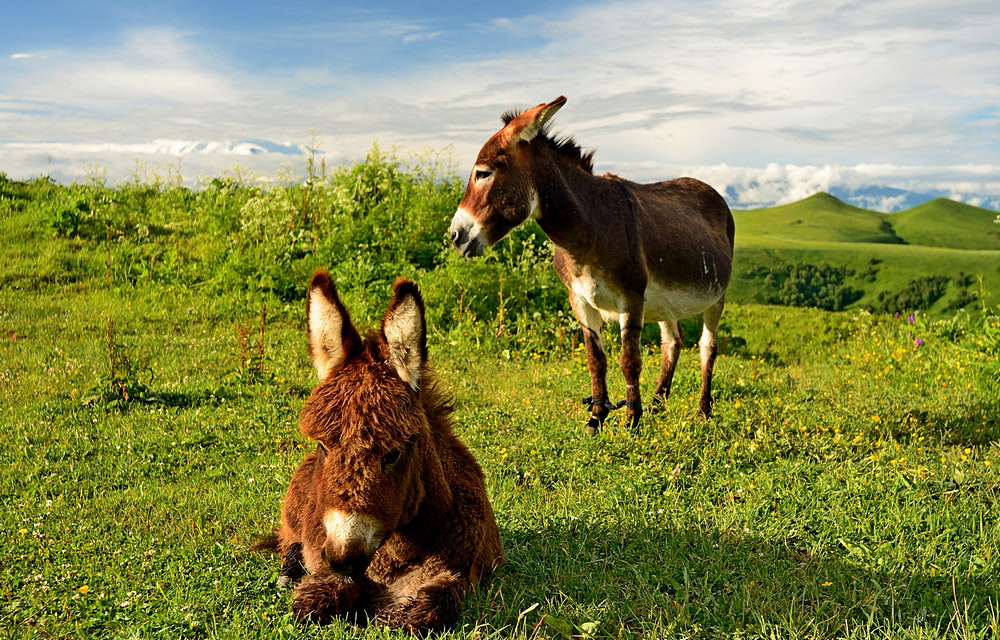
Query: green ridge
[[819, 217], [946, 223], [885, 251]]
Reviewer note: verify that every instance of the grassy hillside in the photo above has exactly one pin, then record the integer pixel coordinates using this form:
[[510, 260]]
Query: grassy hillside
[[153, 363], [946, 223], [818, 218], [881, 253]]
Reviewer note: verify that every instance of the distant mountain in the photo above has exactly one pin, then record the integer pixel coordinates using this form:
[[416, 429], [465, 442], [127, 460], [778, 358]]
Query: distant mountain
[[217, 147], [884, 199]]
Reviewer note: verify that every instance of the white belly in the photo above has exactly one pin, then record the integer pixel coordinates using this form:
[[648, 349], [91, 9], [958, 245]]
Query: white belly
[[674, 303], [662, 302]]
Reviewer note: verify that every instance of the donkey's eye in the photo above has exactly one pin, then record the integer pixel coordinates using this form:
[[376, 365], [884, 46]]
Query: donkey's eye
[[482, 174], [390, 458]]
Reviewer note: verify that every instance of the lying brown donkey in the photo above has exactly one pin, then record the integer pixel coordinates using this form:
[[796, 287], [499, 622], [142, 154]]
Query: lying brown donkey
[[389, 516]]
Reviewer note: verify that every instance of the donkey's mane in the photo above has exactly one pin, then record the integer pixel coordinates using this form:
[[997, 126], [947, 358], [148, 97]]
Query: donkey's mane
[[565, 146]]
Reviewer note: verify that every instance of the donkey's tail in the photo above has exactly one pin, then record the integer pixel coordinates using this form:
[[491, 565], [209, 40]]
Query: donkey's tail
[[266, 543]]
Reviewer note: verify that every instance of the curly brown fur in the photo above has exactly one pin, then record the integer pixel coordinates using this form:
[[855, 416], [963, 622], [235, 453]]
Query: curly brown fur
[[323, 598], [434, 605], [389, 516]]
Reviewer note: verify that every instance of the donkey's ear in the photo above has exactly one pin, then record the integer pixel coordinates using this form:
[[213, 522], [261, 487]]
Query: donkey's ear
[[526, 126], [406, 332], [332, 337]]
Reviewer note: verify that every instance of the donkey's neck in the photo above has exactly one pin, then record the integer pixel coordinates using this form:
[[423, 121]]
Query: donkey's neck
[[566, 197]]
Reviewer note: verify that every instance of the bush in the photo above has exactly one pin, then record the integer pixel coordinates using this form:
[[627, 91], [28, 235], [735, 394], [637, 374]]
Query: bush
[[919, 294], [807, 285]]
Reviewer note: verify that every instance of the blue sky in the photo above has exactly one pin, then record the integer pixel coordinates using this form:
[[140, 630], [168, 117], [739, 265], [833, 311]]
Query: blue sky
[[767, 100]]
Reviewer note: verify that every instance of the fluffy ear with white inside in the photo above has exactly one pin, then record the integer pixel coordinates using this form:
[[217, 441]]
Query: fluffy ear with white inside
[[406, 333], [526, 126], [331, 334]]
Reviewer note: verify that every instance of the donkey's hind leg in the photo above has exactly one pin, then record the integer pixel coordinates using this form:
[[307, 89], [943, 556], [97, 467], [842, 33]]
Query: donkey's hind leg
[[671, 341], [597, 361], [709, 347]]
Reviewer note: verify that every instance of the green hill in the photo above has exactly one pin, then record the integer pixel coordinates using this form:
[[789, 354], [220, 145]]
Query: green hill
[[819, 217], [946, 223], [939, 248]]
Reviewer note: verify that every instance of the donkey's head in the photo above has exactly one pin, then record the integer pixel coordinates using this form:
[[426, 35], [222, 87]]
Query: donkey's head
[[377, 457], [500, 194]]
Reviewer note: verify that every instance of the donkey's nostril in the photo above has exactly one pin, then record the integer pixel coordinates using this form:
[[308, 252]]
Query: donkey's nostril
[[352, 565], [459, 237]]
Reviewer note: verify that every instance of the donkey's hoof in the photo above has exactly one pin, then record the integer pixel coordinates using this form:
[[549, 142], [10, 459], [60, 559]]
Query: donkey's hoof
[[632, 418], [706, 409], [593, 426]]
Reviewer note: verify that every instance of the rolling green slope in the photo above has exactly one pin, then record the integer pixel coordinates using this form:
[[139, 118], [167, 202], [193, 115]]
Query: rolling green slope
[[946, 223], [820, 217], [884, 252]]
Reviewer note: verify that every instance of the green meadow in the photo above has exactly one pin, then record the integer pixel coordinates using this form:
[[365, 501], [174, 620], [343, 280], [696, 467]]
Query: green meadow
[[153, 362]]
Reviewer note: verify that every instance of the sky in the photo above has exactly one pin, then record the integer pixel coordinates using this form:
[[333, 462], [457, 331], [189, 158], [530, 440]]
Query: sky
[[768, 101]]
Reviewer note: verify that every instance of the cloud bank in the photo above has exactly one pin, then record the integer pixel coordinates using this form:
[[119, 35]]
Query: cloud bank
[[768, 101]]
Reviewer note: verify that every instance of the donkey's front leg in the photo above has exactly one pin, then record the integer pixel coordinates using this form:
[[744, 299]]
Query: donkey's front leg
[[424, 600], [597, 361], [323, 597], [631, 358]]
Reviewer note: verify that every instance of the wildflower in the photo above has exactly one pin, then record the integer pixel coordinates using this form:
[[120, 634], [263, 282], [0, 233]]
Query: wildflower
[[968, 451], [827, 583], [84, 589], [911, 319], [23, 531], [917, 342], [895, 315]]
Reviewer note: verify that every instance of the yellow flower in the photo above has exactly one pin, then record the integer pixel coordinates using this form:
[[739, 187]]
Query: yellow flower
[[84, 589], [827, 584], [23, 531], [968, 451]]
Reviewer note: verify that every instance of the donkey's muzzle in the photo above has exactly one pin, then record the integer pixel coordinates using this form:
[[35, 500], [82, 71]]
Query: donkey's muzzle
[[465, 235], [350, 563], [351, 540]]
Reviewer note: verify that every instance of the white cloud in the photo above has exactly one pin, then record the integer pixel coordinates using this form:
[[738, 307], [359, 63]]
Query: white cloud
[[774, 184], [772, 98], [418, 37], [149, 65], [22, 56]]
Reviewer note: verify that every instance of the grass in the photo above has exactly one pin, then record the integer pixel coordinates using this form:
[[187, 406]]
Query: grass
[[846, 487]]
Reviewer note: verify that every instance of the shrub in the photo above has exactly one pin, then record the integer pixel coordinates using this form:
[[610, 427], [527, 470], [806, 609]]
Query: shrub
[[807, 285], [919, 294]]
